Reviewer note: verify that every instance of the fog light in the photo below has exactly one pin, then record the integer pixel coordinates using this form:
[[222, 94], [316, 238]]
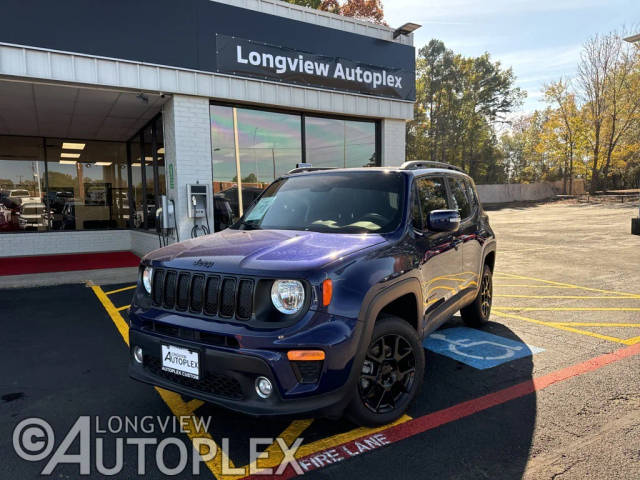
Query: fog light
[[137, 354], [263, 387]]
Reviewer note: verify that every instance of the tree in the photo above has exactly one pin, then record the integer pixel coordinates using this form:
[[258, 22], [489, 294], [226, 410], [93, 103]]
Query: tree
[[459, 100], [608, 79], [565, 128], [368, 10]]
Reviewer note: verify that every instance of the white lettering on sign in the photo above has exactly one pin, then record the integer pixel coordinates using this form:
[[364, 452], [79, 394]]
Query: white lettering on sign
[[283, 64]]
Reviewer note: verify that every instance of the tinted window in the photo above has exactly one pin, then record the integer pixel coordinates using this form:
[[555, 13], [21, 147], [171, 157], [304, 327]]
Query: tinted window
[[471, 193], [432, 194], [357, 202], [416, 213], [459, 194]]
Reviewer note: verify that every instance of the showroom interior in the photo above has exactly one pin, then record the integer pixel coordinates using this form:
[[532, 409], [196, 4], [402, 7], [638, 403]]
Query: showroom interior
[[94, 134]]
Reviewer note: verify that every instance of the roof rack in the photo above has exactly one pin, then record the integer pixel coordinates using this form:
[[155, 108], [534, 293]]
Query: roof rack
[[418, 164], [309, 169]]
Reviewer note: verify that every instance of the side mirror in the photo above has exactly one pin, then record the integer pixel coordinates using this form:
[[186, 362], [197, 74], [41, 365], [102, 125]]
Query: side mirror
[[444, 220]]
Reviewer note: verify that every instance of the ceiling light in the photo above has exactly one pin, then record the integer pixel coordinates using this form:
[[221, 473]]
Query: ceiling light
[[135, 164], [68, 162], [69, 155], [406, 29], [161, 150], [148, 159], [73, 146], [103, 164]]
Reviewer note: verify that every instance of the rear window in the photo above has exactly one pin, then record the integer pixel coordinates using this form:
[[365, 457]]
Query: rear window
[[19, 193]]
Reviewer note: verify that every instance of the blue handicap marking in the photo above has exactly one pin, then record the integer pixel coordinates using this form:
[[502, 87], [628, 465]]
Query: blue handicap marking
[[476, 348]]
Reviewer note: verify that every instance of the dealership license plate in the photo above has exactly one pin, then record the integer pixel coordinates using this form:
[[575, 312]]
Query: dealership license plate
[[181, 361]]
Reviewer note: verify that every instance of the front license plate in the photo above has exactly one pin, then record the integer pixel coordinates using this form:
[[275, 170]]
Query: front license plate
[[180, 361]]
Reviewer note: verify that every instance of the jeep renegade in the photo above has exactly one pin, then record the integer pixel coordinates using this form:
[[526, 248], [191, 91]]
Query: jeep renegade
[[319, 297]]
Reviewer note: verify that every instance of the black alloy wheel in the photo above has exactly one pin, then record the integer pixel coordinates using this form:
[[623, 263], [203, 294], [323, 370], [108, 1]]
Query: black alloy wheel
[[388, 373], [486, 292]]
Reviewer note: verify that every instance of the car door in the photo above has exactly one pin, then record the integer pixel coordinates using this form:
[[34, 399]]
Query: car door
[[466, 236], [440, 260]]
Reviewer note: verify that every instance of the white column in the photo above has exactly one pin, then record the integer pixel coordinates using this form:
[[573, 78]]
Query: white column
[[393, 142], [187, 144]]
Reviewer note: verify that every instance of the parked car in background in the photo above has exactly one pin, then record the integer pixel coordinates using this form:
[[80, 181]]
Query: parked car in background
[[33, 215], [12, 199], [5, 217]]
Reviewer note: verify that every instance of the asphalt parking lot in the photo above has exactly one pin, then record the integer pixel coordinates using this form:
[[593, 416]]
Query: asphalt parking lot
[[548, 389]]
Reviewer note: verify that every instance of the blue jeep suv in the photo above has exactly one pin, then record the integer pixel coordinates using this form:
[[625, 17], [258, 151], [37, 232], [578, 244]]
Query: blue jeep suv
[[318, 298]]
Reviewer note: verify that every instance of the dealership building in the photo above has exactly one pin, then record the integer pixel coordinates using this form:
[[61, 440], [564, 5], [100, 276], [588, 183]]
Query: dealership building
[[107, 106]]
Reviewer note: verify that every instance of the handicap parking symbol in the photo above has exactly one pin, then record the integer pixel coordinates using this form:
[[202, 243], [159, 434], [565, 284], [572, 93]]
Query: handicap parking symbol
[[476, 348]]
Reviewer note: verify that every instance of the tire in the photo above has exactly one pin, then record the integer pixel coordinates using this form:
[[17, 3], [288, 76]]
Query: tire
[[393, 383], [478, 312]]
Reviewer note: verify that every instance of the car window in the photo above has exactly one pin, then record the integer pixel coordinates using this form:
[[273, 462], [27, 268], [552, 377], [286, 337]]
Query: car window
[[471, 193], [459, 197], [432, 193], [332, 202], [416, 213]]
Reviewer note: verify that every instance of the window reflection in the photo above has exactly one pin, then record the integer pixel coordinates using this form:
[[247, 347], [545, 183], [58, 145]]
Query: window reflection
[[269, 145], [87, 185], [340, 143], [22, 185]]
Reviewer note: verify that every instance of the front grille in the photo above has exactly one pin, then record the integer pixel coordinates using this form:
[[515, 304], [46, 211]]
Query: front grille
[[224, 296], [215, 384], [191, 334]]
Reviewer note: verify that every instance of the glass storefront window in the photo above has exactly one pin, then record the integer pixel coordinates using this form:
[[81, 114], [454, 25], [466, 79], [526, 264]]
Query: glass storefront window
[[269, 144], [22, 185], [87, 183], [49, 184], [340, 143]]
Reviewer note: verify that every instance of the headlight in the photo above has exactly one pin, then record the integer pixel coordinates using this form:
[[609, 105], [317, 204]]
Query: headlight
[[287, 296], [146, 279]]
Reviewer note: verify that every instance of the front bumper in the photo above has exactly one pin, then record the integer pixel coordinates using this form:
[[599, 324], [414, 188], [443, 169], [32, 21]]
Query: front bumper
[[227, 374]]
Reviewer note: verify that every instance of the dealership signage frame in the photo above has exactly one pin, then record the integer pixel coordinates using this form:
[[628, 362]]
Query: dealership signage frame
[[249, 58]]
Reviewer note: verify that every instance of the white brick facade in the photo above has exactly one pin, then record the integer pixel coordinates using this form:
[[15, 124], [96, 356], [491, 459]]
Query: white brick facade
[[393, 142], [187, 143]]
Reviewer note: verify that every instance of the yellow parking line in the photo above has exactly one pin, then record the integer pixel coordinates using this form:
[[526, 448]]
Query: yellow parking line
[[110, 292], [561, 327], [119, 309], [521, 277], [113, 312], [180, 408], [595, 324], [577, 297], [533, 286], [175, 403], [570, 309], [632, 341]]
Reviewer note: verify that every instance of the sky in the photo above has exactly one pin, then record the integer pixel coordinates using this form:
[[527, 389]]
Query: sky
[[540, 39]]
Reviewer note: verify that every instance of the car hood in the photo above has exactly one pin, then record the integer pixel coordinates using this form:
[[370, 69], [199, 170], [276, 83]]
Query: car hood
[[238, 251]]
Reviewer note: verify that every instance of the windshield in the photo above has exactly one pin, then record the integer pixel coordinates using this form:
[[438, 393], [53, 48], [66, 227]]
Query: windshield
[[33, 210], [19, 193], [341, 202]]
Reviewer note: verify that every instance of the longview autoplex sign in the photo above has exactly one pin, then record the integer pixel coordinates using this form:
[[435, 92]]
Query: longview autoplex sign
[[241, 57]]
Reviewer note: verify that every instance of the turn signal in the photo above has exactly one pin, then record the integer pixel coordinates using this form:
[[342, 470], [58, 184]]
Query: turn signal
[[305, 355], [327, 292]]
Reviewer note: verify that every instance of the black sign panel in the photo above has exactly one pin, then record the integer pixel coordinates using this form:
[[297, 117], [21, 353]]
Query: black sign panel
[[240, 57], [186, 34]]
